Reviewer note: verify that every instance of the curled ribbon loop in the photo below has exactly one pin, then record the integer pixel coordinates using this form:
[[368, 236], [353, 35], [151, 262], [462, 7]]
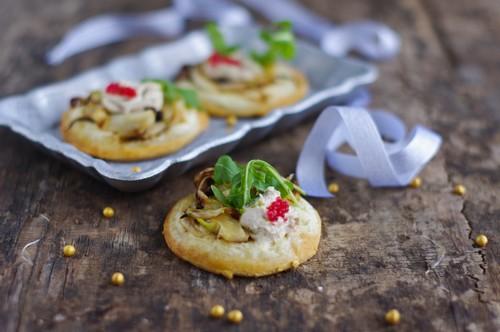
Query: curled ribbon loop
[[373, 40], [383, 164]]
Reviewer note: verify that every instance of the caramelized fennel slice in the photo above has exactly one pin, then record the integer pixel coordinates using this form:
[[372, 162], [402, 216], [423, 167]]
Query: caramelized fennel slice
[[87, 113], [130, 125], [155, 130], [224, 227], [202, 182], [200, 76], [230, 229], [99, 116], [204, 213]]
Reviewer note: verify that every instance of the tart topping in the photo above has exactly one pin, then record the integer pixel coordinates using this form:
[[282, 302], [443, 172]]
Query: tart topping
[[224, 227], [232, 199], [238, 186], [122, 97], [121, 90], [269, 216], [232, 69], [173, 93], [278, 209], [279, 42], [227, 63], [217, 59]]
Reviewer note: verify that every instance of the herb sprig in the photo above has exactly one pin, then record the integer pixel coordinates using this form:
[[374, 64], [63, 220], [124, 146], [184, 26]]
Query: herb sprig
[[218, 41], [280, 42], [171, 93], [238, 185]]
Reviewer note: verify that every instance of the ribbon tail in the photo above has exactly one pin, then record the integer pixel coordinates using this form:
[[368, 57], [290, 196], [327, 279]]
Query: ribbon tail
[[421, 146], [311, 165], [373, 40], [365, 139], [224, 12], [382, 164], [106, 29]]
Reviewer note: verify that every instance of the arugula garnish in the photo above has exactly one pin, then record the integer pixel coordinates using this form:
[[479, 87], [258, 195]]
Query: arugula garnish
[[238, 185], [171, 93], [218, 41], [280, 42]]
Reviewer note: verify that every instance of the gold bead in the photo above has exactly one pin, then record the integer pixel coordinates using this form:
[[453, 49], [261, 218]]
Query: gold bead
[[235, 316], [217, 311], [333, 187], [108, 212], [459, 190], [69, 250], [117, 279], [393, 317], [231, 120], [228, 274], [136, 169], [481, 240], [416, 182]]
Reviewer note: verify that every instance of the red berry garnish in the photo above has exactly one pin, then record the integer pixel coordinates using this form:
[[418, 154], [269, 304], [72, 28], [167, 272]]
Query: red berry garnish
[[121, 90], [277, 209], [219, 59]]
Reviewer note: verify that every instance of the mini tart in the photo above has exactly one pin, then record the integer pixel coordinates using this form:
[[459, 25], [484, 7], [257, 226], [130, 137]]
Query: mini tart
[[251, 257], [137, 135], [279, 85]]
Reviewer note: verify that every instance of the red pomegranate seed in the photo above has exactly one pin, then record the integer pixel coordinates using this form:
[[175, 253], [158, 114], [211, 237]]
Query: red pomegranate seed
[[277, 209], [121, 90], [219, 59]]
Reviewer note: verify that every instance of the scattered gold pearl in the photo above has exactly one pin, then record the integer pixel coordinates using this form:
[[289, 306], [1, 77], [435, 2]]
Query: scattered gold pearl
[[459, 190], [235, 316], [481, 240], [392, 317], [416, 182], [217, 311], [333, 187], [231, 120], [228, 274], [69, 250], [108, 212], [117, 279], [136, 169]]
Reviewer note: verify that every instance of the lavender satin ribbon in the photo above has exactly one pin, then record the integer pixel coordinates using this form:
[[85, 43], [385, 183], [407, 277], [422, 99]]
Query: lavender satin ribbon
[[382, 164], [371, 39], [105, 29]]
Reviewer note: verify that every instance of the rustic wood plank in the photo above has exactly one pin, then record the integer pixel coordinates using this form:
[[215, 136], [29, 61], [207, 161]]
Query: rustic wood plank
[[377, 244], [470, 32]]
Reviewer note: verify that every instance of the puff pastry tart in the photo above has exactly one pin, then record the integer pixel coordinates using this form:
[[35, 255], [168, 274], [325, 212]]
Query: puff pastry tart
[[133, 121], [231, 82], [243, 220]]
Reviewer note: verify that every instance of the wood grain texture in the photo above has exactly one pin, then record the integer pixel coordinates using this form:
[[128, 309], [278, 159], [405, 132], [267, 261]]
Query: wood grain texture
[[378, 245]]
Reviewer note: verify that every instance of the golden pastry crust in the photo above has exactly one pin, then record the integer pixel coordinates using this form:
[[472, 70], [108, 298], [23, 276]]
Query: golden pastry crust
[[90, 138], [285, 86], [251, 258]]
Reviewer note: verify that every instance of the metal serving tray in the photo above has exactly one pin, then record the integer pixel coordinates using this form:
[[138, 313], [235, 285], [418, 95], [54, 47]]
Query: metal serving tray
[[35, 115]]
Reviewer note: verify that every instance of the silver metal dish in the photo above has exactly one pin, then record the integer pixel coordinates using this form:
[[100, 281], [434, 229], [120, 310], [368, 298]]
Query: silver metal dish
[[35, 115]]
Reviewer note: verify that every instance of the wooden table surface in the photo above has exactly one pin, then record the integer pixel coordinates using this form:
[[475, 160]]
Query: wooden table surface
[[379, 246]]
